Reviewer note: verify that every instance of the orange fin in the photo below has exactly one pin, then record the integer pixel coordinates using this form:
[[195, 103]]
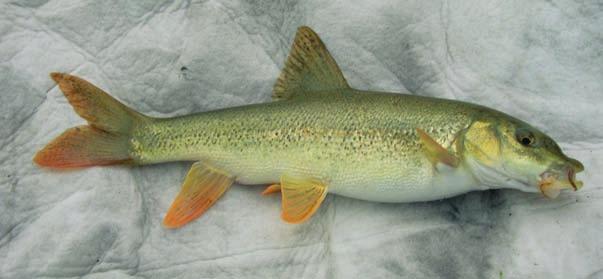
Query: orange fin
[[301, 197], [309, 68], [202, 187], [272, 189], [96, 106], [104, 141], [84, 146], [435, 152]]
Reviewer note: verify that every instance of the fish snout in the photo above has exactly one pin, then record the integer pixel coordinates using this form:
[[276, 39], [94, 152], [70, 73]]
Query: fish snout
[[573, 167], [576, 165]]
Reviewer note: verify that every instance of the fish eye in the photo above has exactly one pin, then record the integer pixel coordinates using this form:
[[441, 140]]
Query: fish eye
[[525, 137]]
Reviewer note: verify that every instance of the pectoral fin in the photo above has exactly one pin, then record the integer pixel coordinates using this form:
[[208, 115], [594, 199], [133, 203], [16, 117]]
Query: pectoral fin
[[202, 187], [301, 197], [435, 152]]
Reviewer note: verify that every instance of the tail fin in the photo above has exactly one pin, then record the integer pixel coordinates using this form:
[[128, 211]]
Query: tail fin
[[104, 141]]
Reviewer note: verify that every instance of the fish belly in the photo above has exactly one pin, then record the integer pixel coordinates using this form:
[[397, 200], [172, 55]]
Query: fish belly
[[423, 186], [371, 181]]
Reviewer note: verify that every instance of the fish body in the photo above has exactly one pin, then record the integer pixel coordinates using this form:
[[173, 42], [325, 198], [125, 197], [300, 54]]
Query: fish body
[[319, 136], [363, 144]]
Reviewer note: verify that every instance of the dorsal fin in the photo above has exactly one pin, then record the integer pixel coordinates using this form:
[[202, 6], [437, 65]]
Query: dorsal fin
[[309, 67]]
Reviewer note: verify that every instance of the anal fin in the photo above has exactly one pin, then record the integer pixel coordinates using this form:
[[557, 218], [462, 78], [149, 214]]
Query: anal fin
[[301, 197], [202, 187]]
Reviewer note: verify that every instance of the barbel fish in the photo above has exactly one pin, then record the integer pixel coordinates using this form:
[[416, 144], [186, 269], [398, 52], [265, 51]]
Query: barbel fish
[[318, 136]]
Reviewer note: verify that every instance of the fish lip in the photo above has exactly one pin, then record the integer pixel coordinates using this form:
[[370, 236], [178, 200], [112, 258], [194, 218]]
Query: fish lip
[[551, 178], [571, 176]]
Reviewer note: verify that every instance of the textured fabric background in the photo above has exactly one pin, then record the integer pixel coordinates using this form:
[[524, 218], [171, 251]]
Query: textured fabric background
[[541, 61]]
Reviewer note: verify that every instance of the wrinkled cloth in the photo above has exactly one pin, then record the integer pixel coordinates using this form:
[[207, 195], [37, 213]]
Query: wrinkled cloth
[[537, 60]]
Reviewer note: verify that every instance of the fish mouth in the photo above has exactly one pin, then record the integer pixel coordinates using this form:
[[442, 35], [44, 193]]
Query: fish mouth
[[552, 182]]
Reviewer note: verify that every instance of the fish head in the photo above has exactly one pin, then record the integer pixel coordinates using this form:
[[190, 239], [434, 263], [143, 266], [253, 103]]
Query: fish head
[[503, 152]]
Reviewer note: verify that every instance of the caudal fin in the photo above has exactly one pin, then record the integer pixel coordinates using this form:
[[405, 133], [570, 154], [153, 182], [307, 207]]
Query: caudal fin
[[104, 141], [84, 146]]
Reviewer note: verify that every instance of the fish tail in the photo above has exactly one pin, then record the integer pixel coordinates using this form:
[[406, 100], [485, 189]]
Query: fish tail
[[106, 138]]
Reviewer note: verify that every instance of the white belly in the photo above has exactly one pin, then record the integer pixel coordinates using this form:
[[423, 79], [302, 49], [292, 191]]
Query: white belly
[[380, 184], [439, 185]]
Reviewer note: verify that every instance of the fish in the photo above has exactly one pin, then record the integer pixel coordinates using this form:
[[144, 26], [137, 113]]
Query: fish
[[317, 136]]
